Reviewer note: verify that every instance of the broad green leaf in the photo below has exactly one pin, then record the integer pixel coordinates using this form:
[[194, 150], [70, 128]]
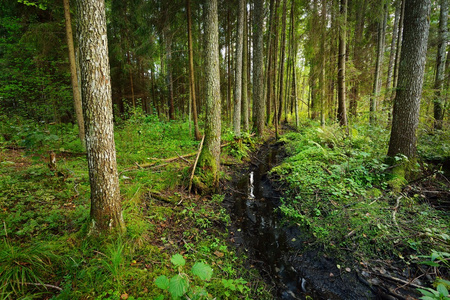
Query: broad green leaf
[[202, 270], [178, 260], [162, 282], [428, 292], [178, 286], [160, 297], [442, 290]]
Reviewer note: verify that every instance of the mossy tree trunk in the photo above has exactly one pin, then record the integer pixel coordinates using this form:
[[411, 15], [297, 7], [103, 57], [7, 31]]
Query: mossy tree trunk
[[410, 81], [106, 210], [209, 161]]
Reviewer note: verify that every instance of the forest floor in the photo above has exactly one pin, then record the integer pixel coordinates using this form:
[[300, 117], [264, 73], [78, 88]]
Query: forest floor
[[46, 253]]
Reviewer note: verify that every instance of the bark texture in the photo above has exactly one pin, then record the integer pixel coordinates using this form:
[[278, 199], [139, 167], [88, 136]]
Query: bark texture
[[412, 65], [191, 71], [73, 74], [106, 210], [342, 110], [244, 99], [210, 156], [258, 66], [439, 100], [238, 77]]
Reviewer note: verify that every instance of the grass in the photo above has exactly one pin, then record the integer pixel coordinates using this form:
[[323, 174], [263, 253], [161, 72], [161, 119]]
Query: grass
[[44, 249]]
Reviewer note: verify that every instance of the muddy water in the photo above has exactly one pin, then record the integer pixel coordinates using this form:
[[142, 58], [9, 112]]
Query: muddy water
[[276, 249]]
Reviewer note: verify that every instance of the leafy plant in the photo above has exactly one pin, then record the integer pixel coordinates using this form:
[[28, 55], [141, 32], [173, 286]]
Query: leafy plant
[[179, 285]]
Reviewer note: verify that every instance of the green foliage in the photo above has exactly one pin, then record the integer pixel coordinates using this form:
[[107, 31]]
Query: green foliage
[[179, 284], [338, 190], [23, 267]]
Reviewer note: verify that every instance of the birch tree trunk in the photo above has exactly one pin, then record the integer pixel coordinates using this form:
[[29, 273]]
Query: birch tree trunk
[[411, 72], [106, 210]]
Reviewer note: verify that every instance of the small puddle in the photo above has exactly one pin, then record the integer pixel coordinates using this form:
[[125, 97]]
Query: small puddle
[[277, 249]]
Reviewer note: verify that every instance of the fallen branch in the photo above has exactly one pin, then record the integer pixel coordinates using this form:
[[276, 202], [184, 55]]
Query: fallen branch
[[395, 212], [398, 280], [44, 285], [195, 164]]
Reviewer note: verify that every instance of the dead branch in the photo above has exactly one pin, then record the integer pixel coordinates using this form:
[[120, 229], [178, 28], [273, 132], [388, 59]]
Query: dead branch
[[195, 164], [44, 285]]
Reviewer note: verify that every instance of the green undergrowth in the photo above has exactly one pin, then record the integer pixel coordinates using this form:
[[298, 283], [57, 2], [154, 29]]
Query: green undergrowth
[[45, 252], [339, 188]]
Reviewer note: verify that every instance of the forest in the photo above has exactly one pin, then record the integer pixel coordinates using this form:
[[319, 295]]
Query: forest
[[238, 149]]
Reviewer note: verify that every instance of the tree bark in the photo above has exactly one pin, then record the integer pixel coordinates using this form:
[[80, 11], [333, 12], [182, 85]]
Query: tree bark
[[210, 156], [342, 111], [245, 105], [106, 210], [398, 8], [282, 57], [412, 66], [258, 66], [439, 99], [192, 73], [74, 76], [398, 50], [378, 65], [238, 71]]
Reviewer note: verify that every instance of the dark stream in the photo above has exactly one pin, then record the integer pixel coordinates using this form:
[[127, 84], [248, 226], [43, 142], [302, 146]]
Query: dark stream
[[276, 248]]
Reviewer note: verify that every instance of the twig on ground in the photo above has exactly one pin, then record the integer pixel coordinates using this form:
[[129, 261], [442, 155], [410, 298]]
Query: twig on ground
[[195, 164], [44, 285]]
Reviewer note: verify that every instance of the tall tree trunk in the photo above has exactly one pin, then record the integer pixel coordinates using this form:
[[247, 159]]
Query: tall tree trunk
[[245, 105], [169, 77], [106, 210], [412, 66], [210, 155], [258, 66], [282, 56], [342, 111], [379, 64], [440, 67], [398, 9], [238, 71], [269, 67], [398, 50], [357, 45], [322, 62], [228, 112], [77, 103], [130, 73], [191, 72]]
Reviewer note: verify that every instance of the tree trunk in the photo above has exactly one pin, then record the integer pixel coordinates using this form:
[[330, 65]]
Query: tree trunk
[[440, 67], [191, 72], [322, 62], [238, 71], [258, 66], [228, 112], [106, 210], [282, 53], [378, 66], [74, 76], [169, 79], [398, 9], [245, 105], [210, 156], [412, 65], [342, 111], [398, 50]]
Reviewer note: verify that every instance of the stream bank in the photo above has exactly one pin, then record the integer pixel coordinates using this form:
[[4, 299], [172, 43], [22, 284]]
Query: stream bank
[[286, 256]]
